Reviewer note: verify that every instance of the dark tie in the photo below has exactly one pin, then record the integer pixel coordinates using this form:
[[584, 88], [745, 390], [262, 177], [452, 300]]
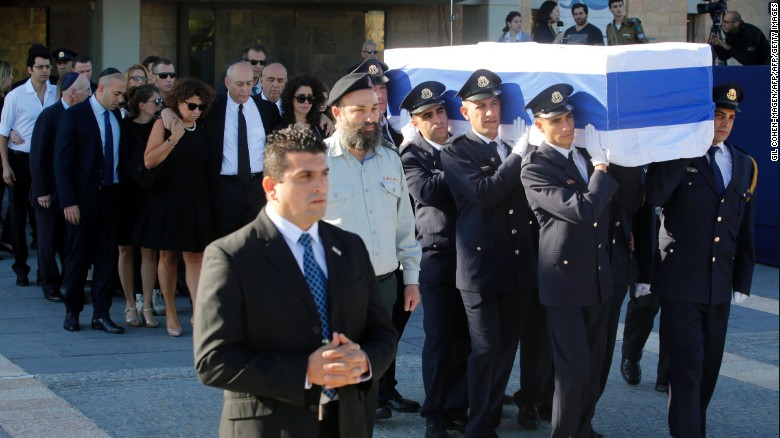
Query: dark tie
[[244, 170], [317, 284], [494, 146], [108, 151], [716, 170]]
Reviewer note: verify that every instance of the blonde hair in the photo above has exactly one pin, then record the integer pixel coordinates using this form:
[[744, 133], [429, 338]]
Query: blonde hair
[[134, 67], [5, 73]]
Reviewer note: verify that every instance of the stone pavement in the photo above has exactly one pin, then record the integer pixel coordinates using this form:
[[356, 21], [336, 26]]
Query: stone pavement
[[55, 383]]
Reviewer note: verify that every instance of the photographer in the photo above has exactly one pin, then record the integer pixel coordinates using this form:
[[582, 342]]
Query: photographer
[[744, 42]]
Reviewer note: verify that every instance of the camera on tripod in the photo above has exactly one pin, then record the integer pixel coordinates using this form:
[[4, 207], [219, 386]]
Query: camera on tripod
[[712, 7]]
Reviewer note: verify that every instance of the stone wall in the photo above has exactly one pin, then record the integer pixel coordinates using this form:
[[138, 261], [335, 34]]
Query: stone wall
[[158, 29], [421, 26]]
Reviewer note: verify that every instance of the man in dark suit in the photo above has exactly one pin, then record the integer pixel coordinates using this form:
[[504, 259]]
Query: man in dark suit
[[87, 155], [236, 132], [48, 213], [706, 258], [569, 191], [496, 260], [289, 310], [446, 332]]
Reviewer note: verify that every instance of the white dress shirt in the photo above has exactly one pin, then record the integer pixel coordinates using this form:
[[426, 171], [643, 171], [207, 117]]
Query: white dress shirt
[[723, 158], [255, 133], [20, 111], [99, 111], [500, 148], [433, 144], [278, 102], [292, 233]]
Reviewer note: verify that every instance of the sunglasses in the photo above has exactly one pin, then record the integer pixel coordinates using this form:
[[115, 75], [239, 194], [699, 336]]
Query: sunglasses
[[139, 78], [305, 98], [157, 101], [255, 61], [192, 106], [166, 75], [371, 52]]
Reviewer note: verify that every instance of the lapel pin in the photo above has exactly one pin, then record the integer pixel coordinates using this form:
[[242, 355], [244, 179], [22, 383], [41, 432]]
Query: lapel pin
[[336, 250]]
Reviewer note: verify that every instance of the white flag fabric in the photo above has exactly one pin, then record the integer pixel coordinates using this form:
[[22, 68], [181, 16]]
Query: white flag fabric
[[649, 102]]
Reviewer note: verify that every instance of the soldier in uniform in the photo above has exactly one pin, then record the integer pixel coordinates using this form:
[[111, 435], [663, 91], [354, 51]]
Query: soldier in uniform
[[496, 260], [569, 191], [706, 259], [446, 333], [623, 30]]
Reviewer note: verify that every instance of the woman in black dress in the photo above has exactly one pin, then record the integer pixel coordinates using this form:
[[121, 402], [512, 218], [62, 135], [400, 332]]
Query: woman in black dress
[[546, 24], [176, 216], [300, 104], [143, 102]]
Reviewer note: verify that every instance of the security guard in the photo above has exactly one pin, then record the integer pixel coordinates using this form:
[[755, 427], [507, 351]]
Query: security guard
[[706, 259], [496, 260], [569, 191], [623, 30], [446, 333], [63, 58]]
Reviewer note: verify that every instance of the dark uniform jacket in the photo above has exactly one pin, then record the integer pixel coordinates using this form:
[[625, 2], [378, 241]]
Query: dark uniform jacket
[[494, 242], [574, 266], [706, 247], [630, 32], [748, 44], [44, 137], [434, 210]]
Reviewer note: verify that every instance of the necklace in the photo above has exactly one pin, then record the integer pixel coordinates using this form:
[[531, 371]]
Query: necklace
[[194, 125]]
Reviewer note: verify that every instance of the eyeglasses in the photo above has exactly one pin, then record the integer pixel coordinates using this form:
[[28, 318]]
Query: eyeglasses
[[157, 101], [255, 61], [193, 106], [371, 52], [139, 78], [305, 98], [171, 75]]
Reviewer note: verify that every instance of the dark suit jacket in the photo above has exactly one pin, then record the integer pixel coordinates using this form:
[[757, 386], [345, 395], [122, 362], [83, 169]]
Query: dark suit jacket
[[257, 325], [625, 203], [573, 247], [44, 137], [706, 246], [492, 229], [215, 128], [78, 156], [434, 210]]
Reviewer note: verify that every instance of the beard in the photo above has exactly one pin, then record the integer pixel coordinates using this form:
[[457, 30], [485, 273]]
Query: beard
[[355, 137]]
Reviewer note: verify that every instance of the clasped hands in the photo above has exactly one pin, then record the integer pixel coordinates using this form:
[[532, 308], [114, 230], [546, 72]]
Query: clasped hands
[[339, 363]]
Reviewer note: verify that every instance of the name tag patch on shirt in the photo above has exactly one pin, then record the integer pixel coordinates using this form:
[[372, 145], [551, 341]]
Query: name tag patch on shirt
[[691, 169]]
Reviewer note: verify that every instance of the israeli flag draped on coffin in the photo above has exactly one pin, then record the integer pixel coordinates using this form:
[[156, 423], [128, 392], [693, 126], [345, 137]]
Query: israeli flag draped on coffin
[[649, 102]]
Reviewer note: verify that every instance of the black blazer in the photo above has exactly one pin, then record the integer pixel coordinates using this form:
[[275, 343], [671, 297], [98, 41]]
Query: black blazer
[[434, 210], [44, 137], [493, 234], [574, 268], [257, 325], [706, 247], [78, 155], [215, 128], [625, 203]]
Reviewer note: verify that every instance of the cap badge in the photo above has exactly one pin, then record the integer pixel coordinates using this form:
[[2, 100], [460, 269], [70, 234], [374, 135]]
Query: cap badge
[[373, 70], [557, 97], [483, 81], [61, 55], [426, 93], [732, 94]]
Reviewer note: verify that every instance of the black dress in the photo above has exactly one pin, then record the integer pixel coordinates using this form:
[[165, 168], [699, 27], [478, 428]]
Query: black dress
[[544, 34], [176, 215], [131, 194]]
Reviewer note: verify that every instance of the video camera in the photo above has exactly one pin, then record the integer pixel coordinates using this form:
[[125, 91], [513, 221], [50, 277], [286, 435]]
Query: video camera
[[716, 9]]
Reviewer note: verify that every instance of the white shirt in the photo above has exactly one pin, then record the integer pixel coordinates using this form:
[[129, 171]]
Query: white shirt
[[579, 160], [292, 233], [20, 111], [433, 144], [99, 110], [278, 101], [723, 158], [255, 133], [500, 148]]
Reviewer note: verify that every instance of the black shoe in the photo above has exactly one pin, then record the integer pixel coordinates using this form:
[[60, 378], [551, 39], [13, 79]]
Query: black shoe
[[545, 411], [507, 399], [661, 386], [528, 417], [631, 371], [71, 322], [435, 429], [401, 404], [457, 425], [106, 325], [382, 413], [22, 280], [53, 295]]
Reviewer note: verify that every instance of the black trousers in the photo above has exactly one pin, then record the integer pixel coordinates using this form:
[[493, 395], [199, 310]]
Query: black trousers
[[445, 351], [400, 317], [613, 319], [236, 202], [92, 241], [51, 242], [640, 314], [537, 383], [19, 203], [579, 338], [695, 336], [494, 327]]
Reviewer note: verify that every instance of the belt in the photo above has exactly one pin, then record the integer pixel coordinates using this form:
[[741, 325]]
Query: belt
[[251, 176], [15, 152], [383, 277]]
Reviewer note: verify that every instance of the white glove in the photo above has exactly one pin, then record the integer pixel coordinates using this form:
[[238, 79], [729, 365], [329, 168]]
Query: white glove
[[521, 133], [593, 145], [739, 297], [407, 129], [642, 289]]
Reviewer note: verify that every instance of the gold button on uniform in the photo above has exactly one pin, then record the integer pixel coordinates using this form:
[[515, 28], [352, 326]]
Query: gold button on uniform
[[517, 251], [720, 218], [713, 260], [717, 239], [671, 250], [565, 262], [511, 211], [617, 224], [595, 224], [514, 231]]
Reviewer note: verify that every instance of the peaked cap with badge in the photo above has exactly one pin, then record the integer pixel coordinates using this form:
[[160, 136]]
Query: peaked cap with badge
[[424, 96], [552, 101], [728, 95], [480, 85], [62, 55], [349, 83], [374, 68]]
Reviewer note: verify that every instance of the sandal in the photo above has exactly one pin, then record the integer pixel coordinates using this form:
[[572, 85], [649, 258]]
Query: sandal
[[149, 320], [131, 317]]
